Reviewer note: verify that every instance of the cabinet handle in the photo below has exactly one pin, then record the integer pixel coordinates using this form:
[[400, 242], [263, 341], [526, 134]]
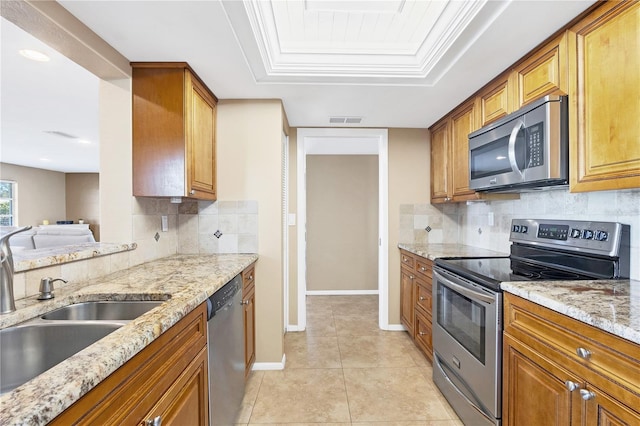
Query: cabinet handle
[[157, 421], [583, 353], [250, 277], [193, 191], [422, 333], [423, 269], [571, 386], [404, 259], [422, 298], [244, 302], [411, 277], [587, 394]]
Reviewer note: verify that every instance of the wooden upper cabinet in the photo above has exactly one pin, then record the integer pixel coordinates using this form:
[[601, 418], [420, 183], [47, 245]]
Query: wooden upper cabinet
[[463, 121], [604, 88], [494, 100], [174, 128], [439, 162], [542, 73]]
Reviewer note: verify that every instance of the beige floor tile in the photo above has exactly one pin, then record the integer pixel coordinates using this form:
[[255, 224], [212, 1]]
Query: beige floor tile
[[250, 394], [301, 395], [356, 326], [392, 394], [382, 350], [320, 325], [311, 351]]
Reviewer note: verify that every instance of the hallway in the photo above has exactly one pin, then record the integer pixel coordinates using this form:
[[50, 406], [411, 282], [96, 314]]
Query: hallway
[[343, 370]]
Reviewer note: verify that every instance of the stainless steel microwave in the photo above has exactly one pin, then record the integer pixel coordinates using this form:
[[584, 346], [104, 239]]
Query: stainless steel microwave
[[525, 150]]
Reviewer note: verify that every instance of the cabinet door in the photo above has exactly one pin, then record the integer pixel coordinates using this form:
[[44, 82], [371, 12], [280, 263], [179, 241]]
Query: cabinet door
[[439, 163], [201, 134], [187, 401], [249, 329], [535, 390], [494, 100], [463, 122], [604, 129], [603, 410], [424, 335], [406, 300], [544, 72]]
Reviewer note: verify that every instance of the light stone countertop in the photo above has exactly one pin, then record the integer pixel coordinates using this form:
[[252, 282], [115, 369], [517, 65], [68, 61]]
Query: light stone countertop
[[610, 305], [434, 251], [24, 260], [184, 281]]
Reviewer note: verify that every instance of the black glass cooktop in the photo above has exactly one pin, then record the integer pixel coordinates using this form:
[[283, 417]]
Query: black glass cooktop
[[491, 271]]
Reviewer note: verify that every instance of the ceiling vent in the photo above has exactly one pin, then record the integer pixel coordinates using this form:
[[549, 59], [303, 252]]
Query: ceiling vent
[[345, 120]]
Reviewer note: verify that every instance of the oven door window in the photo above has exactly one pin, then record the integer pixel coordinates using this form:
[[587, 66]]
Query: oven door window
[[464, 319]]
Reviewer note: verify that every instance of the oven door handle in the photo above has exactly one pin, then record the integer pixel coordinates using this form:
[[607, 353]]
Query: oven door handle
[[458, 391], [464, 290]]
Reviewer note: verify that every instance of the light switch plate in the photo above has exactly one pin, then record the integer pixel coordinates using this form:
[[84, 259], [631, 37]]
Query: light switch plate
[[165, 223]]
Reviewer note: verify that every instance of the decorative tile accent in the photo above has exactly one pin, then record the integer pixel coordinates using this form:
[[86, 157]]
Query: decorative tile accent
[[218, 234]]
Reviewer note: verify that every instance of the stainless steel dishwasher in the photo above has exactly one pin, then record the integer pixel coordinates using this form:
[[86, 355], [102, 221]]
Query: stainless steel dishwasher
[[226, 352]]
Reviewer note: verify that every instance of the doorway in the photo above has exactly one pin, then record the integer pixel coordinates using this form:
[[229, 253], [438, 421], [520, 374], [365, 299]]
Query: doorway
[[340, 143]]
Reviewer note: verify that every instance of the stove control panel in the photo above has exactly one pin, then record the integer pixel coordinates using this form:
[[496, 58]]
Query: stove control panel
[[593, 237]]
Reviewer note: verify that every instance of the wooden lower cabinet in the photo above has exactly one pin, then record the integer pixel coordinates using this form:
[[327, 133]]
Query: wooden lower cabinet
[[406, 299], [168, 379], [547, 382], [415, 300], [249, 305]]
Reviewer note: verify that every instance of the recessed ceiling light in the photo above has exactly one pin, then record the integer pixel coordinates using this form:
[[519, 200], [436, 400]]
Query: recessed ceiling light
[[46, 160], [84, 141], [34, 55]]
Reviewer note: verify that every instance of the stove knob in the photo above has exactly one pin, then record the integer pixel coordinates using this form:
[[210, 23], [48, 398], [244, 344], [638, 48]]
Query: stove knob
[[516, 228], [524, 229], [575, 233], [587, 234], [602, 235]]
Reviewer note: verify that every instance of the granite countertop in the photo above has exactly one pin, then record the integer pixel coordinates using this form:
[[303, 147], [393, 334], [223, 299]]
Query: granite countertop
[[184, 281], [610, 305], [434, 251], [24, 260]]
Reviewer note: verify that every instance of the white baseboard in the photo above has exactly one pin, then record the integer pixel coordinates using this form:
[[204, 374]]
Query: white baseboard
[[257, 366], [340, 292], [396, 327]]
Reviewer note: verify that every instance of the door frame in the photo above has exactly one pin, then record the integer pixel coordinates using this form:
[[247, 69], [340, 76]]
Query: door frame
[[341, 141]]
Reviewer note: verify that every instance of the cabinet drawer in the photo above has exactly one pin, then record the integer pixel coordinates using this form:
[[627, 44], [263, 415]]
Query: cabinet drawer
[[423, 335], [424, 267], [553, 334], [248, 278], [423, 296], [407, 259]]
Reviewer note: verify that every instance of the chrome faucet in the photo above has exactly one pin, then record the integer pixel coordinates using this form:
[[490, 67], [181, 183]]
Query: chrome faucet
[[7, 302]]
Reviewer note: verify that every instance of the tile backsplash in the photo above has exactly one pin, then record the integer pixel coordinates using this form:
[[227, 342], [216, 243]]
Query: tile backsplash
[[194, 227], [487, 224]]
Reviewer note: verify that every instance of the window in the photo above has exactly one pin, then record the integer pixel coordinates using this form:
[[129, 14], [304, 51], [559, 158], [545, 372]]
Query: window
[[8, 204]]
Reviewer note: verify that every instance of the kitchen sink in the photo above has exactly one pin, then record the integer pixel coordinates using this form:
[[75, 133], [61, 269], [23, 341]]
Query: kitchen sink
[[29, 350], [105, 310]]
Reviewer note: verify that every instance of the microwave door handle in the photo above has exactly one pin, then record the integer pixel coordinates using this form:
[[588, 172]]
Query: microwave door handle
[[512, 147]]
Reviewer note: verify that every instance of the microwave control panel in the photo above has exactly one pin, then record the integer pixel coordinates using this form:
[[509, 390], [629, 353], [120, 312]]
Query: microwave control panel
[[535, 145]]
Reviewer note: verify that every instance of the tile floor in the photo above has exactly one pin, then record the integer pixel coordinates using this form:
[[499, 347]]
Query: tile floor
[[343, 370]]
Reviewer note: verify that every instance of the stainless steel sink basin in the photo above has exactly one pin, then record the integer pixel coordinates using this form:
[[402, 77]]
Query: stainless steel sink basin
[[29, 350], [110, 311]]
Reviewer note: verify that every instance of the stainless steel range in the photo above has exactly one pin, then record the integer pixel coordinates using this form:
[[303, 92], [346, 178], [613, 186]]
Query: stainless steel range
[[467, 302]]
